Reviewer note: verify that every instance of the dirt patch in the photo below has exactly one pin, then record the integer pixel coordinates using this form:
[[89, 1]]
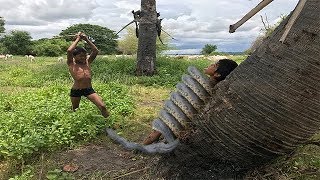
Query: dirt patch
[[185, 163], [111, 161], [106, 162]]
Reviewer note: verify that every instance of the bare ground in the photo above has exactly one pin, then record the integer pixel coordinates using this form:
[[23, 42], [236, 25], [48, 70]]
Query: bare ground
[[111, 161], [105, 160]]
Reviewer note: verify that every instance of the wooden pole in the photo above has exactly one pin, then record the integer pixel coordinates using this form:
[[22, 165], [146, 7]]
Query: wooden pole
[[292, 19], [254, 11]]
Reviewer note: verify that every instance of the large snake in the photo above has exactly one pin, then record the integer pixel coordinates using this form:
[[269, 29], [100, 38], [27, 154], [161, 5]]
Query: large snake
[[191, 95]]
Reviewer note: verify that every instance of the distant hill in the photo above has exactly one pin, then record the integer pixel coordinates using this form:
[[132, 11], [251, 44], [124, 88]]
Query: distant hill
[[196, 52], [233, 53]]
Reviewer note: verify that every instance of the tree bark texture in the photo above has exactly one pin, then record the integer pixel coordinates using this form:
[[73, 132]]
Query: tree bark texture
[[146, 56], [267, 107], [271, 103]]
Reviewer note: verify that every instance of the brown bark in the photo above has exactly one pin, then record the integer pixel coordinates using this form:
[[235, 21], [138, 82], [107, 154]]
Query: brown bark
[[267, 107], [146, 56]]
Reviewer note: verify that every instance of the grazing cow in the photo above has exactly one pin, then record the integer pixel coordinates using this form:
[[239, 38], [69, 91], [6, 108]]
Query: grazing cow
[[30, 57], [9, 56], [2, 56], [60, 59]]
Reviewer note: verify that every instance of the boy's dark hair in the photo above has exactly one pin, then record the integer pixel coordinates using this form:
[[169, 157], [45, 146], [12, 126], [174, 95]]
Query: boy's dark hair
[[78, 50], [225, 66]]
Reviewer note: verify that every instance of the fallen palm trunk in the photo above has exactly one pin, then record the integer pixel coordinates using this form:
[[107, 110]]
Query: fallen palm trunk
[[270, 104]]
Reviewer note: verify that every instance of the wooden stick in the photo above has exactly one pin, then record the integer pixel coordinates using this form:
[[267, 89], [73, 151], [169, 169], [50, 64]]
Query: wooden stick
[[168, 34], [68, 35], [292, 19], [132, 172], [261, 5], [41, 170], [126, 26]]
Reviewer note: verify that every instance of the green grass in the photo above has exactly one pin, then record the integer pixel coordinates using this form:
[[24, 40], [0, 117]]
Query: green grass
[[35, 116], [303, 164], [41, 119]]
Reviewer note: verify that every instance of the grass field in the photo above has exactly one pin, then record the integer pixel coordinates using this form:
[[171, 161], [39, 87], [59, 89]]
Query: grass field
[[36, 120]]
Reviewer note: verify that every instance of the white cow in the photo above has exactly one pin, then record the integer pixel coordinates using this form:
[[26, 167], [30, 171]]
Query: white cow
[[60, 59], [9, 56], [30, 57]]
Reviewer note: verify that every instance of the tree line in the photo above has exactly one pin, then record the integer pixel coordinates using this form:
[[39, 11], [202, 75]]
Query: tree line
[[19, 42]]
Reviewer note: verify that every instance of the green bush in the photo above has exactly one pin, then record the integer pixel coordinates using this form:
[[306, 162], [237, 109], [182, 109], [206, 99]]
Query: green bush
[[169, 71], [42, 120], [50, 47]]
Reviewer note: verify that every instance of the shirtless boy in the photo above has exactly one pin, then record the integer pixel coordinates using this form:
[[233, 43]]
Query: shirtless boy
[[79, 67]]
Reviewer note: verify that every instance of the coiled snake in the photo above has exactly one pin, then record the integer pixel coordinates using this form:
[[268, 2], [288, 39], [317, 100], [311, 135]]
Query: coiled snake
[[192, 94]]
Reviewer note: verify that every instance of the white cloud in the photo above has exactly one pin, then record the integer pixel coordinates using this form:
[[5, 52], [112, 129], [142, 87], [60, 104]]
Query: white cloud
[[192, 23]]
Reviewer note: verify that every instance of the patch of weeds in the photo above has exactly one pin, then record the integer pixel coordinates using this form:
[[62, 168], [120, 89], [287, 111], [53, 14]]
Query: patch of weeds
[[58, 174]]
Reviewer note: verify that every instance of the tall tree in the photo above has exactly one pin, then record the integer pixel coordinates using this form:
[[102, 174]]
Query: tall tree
[[50, 47], [128, 44], [103, 38], [2, 29], [2, 25], [208, 49], [146, 56], [17, 42]]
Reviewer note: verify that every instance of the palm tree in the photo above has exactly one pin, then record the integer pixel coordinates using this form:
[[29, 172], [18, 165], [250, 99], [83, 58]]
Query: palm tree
[[268, 106], [146, 56]]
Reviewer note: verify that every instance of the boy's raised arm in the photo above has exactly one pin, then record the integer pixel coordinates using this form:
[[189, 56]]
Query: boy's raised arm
[[94, 49], [71, 48]]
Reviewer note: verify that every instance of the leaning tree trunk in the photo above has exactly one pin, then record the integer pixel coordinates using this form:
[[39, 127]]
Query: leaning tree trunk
[[1, 25], [147, 39], [267, 107]]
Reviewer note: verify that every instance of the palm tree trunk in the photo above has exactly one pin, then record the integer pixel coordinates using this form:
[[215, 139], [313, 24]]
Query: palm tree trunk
[[266, 107], [146, 56]]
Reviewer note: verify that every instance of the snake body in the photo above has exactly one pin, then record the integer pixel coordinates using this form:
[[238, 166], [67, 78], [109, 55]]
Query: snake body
[[191, 95]]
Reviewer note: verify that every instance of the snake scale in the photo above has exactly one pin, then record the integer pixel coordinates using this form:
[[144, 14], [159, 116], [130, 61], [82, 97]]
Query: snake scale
[[190, 96]]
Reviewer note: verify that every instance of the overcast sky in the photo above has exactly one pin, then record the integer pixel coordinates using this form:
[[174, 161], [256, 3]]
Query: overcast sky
[[193, 23]]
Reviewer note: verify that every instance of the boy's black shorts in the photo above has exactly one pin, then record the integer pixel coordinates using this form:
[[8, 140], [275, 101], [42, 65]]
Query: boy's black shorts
[[81, 92]]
